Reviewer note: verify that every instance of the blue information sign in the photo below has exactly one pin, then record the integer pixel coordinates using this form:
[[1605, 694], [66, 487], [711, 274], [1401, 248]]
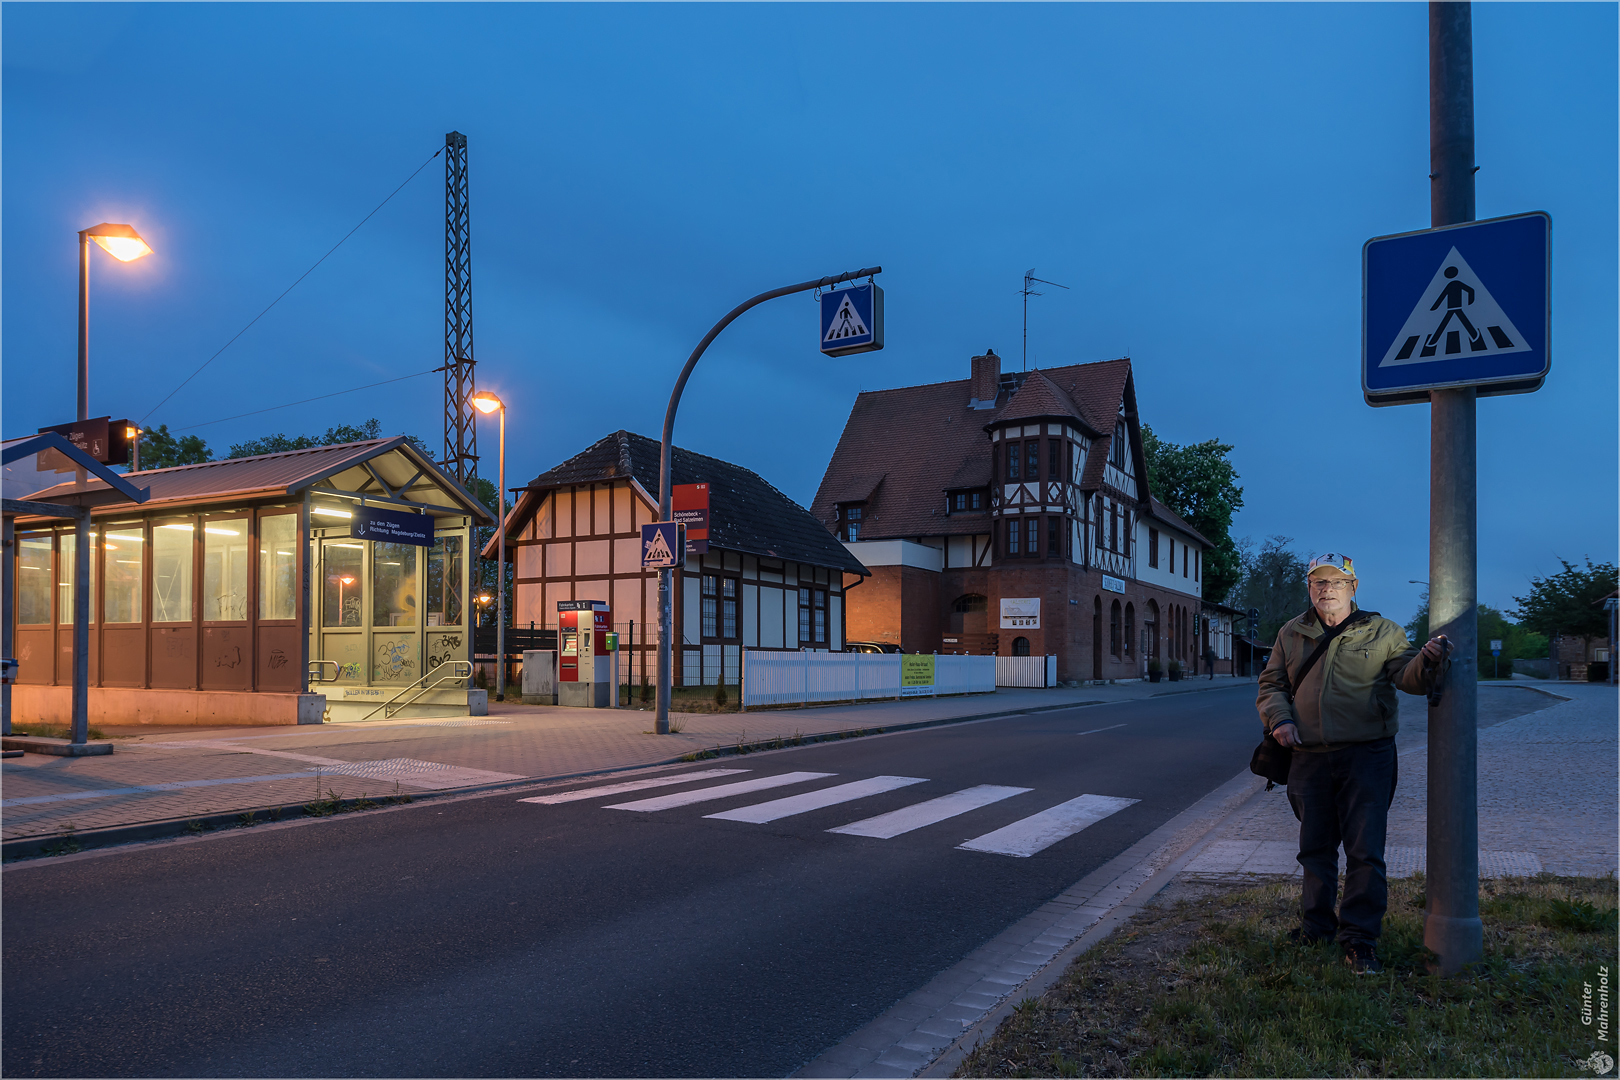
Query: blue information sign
[[663, 544], [392, 527], [1463, 305], [852, 320]]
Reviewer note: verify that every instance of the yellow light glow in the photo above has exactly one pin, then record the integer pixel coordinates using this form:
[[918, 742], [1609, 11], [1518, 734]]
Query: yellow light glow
[[357, 547], [132, 433], [123, 248], [327, 511], [486, 402], [221, 532], [127, 538], [187, 528], [347, 580]]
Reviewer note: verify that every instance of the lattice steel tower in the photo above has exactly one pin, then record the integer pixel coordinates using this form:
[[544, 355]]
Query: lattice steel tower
[[460, 433]]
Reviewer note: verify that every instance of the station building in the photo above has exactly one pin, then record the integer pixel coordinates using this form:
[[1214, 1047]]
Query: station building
[[1010, 513], [766, 575], [246, 591]]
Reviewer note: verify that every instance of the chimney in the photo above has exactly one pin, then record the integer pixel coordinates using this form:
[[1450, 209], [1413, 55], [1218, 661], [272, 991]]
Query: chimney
[[986, 380]]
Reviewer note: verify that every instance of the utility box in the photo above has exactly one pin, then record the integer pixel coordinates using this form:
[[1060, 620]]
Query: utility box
[[539, 676], [586, 649]]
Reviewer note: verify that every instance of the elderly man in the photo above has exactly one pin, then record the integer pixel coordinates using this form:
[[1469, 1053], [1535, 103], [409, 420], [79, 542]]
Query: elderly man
[[1338, 713]]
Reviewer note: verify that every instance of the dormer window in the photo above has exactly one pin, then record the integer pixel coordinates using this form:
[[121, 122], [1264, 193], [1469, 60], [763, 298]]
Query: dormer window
[[849, 521], [962, 502]]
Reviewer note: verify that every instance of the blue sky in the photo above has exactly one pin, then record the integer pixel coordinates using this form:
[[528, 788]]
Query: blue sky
[[1202, 177]]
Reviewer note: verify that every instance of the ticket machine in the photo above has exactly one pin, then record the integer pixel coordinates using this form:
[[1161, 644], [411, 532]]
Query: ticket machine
[[586, 648]]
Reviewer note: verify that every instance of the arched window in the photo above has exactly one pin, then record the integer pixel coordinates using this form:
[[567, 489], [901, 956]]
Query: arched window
[[1130, 628], [970, 602], [1021, 646], [1113, 629], [1151, 625]]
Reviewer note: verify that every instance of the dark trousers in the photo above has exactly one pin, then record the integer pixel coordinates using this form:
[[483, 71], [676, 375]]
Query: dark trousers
[[1342, 797]]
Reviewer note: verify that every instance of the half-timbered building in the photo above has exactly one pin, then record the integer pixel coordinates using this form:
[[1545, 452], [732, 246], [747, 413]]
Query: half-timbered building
[[771, 577], [1010, 513]]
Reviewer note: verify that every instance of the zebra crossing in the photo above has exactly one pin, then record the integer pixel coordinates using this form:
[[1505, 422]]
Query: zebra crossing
[[1027, 836]]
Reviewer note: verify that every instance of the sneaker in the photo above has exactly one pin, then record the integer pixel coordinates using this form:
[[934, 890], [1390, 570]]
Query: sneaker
[[1362, 958], [1303, 937]]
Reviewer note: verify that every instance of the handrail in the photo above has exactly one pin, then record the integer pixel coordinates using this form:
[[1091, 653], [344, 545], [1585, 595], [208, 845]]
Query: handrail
[[313, 673], [462, 670]]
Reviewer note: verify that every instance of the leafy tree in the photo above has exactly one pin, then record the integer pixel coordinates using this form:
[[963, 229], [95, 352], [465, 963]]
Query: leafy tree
[[1569, 602], [336, 435], [1199, 483], [1273, 581], [161, 450], [1518, 643]]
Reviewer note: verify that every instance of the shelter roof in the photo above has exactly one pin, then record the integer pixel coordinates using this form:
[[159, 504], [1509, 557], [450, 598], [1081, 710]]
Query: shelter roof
[[35, 464]]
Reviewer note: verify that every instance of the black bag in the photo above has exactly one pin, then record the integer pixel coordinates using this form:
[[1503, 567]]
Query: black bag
[[1271, 759]]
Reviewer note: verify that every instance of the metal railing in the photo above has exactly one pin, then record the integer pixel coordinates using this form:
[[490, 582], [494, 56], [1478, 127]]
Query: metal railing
[[314, 676], [460, 671]]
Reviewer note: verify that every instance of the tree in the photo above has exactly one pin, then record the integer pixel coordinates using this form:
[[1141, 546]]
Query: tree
[[1569, 602], [1199, 483], [1517, 641], [161, 450], [1274, 582], [279, 444]]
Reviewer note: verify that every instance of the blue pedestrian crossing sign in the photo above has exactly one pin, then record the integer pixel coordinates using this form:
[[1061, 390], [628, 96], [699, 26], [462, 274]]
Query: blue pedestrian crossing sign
[[663, 545], [1463, 305], [852, 320]]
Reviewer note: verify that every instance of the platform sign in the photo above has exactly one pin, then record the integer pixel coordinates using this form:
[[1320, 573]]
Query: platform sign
[[852, 320], [689, 506], [1463, 305], [662, 545], [1496, 646], [391, 526]]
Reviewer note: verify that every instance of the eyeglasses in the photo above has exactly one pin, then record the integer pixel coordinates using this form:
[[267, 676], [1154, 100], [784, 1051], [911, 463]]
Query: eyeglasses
[[1324, 585]]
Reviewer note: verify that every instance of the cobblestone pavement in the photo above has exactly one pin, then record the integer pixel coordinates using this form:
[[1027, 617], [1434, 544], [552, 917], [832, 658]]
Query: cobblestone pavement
[[1547, 792], [161, 774]]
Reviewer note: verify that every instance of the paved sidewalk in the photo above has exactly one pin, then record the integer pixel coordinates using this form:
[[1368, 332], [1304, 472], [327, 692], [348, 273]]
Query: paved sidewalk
[[180, 774], [1547, 792]]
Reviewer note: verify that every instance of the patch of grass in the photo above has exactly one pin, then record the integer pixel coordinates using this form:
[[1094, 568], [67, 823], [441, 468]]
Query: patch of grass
[[246, 820], [68, 844], [52, 731], [195, 828], [1210, 986]]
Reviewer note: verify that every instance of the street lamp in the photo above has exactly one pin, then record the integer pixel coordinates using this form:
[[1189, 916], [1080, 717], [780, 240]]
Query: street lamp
[[132, 435], [486, 403], [124, 244]]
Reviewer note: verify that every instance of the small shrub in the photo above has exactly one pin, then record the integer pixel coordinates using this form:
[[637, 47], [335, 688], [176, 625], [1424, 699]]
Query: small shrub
[[720, 697]]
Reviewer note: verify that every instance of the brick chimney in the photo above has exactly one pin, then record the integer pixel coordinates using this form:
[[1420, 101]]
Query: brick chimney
[[986, 380]]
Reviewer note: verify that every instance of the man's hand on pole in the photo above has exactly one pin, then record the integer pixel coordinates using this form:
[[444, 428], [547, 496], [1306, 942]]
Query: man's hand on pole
[[1286, 734]]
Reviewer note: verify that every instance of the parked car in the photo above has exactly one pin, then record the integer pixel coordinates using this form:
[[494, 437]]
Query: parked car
[[872, 647]]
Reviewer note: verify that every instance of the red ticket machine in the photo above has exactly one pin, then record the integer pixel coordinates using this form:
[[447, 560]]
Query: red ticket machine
[[584, 654]]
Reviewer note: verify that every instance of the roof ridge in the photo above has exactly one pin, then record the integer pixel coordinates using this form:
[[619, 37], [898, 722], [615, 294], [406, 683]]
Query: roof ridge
[[275, 454]]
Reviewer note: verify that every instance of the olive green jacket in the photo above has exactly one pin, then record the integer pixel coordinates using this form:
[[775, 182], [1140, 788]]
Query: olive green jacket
[[1349, 696]]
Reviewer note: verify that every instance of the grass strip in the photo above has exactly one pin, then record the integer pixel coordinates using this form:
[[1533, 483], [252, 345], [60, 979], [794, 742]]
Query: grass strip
[[1204, 982], [51, 731]]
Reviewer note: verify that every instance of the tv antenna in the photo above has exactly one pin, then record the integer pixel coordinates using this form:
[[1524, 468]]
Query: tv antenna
[[1027, 292]]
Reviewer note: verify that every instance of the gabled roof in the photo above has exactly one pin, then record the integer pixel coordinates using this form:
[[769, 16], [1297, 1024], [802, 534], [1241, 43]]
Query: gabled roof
[[35, 464], [746, 513], [925, 440], [1176, 521], [291, 472]]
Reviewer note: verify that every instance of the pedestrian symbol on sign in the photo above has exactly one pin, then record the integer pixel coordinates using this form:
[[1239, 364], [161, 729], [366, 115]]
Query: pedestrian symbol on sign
[[660, 540], [846, 323], [1455, 317]]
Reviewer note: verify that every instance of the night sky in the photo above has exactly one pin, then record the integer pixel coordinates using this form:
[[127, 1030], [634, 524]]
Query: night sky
[[1202, 177]]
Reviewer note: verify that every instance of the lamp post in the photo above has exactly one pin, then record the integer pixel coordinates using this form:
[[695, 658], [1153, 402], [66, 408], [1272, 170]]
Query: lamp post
[[486, 403], [124, 244]]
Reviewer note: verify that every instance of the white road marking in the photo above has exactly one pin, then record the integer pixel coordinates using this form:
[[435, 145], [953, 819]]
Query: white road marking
[[724, 791], [632, 785], [1094, 731], [887, 826], [1040, 831], [760, 813]]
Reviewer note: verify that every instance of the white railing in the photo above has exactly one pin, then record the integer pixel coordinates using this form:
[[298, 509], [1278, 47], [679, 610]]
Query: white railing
[[1026, 671], [808, 678]]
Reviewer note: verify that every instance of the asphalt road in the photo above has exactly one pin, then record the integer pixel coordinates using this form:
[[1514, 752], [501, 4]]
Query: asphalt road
[[492, 937]]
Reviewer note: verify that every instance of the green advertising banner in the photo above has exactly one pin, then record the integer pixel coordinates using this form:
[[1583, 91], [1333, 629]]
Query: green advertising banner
[[916, 675]]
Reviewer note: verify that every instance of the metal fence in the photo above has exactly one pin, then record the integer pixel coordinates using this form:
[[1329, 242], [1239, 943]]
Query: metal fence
[[771, 677], [1026, 670]]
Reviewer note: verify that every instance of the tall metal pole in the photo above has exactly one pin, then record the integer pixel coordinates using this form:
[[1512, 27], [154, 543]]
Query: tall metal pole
[[1452, 929], [81, 628], [666, 619], [500, 571], [84, 324]]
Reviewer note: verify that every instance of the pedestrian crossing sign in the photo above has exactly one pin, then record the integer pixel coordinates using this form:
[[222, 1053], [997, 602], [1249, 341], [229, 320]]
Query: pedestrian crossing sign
[[852, 320], [1464, 305], [663, 545]]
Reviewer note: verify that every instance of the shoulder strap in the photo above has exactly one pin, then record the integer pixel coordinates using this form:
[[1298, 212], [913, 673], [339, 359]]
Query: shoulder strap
[[1360, 615]]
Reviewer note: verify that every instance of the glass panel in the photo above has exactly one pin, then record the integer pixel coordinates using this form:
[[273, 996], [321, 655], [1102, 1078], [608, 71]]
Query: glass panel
[[123, 545], [225, 570], [444, 582], [340, 582], [1012, 461], [34, 580], [171, 572], [278, 567], [64, 578], [393, 585], [728, 624]]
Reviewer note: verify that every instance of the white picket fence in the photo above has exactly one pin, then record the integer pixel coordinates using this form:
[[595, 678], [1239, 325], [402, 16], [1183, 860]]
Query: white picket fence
[[807, 678], [1026, 671]]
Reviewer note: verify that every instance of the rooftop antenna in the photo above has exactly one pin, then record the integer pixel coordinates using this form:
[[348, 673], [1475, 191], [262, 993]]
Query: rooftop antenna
[[1027, 292]]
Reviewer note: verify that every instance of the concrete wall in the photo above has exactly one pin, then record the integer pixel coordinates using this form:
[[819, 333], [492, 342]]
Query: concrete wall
[[119, 707], [898, 605]]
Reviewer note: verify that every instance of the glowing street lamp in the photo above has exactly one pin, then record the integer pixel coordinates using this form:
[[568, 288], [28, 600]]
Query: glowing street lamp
[[486, 403], [124, 244]]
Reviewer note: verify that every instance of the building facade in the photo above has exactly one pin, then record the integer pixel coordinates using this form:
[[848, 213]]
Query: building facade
[[1009, 513], [767, 576]]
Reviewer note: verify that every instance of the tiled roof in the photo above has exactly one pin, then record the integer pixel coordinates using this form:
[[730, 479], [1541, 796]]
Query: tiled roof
[[925, 440], [1176, 521], [746, 513]]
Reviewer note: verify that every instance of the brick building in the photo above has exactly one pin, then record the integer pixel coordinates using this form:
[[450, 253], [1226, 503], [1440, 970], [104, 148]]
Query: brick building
[[1009, 513]]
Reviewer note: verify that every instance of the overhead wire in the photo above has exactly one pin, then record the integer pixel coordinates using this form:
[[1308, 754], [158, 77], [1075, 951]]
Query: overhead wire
[[306, 401], [278, 300]]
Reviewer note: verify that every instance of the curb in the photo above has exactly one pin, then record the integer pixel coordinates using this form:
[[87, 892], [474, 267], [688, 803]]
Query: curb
[[56, 843]]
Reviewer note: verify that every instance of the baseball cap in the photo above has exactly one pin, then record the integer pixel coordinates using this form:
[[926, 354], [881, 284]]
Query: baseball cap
[[1333, 560]]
